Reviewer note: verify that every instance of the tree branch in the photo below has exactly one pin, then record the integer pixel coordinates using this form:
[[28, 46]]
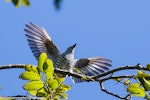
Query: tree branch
[[101, 78], [120, 69], [10, 66], [116, 77], [87, 78], [21, 97], [57, 70]]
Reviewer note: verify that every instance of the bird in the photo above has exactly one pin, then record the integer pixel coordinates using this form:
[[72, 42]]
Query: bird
[[39, 41]]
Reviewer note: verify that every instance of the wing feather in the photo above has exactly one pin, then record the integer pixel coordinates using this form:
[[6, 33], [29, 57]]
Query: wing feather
[[39, 41], [92, 66]]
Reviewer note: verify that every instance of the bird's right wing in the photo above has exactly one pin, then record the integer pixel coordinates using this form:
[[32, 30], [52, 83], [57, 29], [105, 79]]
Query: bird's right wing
[[39, 41], [91, 66]]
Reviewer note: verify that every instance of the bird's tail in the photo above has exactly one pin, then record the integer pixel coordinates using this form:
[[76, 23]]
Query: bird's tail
[[76, 80]]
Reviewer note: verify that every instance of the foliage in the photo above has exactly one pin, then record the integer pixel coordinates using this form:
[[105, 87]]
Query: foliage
[[42, 82], [45, 84], [136, 90], [142, 87], [17, 3]]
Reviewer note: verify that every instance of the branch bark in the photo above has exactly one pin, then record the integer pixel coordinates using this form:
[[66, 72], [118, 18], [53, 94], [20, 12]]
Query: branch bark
[[101, 78]]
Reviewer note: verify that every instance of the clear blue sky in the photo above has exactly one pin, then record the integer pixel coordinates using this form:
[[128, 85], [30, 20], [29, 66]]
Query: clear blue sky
[[115, 29]]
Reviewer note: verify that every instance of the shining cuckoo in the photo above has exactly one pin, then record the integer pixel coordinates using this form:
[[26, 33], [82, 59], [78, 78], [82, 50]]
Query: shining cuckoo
[[39, 41]]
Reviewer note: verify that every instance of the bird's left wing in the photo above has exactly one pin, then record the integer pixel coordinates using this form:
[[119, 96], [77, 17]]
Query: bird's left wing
[[92, 66], [39, 41]]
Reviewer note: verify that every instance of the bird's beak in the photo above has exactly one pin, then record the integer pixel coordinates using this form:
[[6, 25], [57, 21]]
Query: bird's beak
[[74, 45]]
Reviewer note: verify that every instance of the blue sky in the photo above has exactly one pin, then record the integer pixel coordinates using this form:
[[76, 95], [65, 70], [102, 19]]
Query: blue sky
[[115, 29]]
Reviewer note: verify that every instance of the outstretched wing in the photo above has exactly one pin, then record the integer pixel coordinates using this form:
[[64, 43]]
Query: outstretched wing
[[92, 66], [39, 41]]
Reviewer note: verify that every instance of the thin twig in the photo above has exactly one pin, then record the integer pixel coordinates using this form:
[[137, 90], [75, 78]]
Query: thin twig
[[116, 77], [111, 93], [66, 72], [119, 69]]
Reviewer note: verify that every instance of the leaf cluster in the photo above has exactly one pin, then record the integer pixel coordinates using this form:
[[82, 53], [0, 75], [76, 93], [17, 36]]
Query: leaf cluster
[[17, 3], [43, 82], [142, 87]]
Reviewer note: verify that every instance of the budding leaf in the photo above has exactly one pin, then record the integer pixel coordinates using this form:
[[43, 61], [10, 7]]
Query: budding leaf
[[127, 81], [33, 85], [33, 92], [146, 84], [42, 92], [118, 79], [53, 84], [30, 76], [136, 90], [148, 66], [77, 70], [25, 2], [144, 80], [60, 80], [16, 3], [64, 96], [41, 61], [7, 0], [63, 88], [31, 68], [48, 68]]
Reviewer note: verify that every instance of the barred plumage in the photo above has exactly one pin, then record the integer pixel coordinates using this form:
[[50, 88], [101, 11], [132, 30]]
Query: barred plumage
[[39, 41]]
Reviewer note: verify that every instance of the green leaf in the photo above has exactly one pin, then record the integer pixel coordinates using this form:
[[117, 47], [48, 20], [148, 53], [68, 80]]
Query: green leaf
[[16, 3], [64, 96], [56, 97], [48, 68], [136, 90], [118, 79], [33, 92], [127, 82], [63, 88], [148, 66], [144, 80], [42, 92], [77, 70], [84, 78], [33, 85], [25, 2], [41, 61], [141, 74], [7, 0], [39, 93], [145, 83], [31, 68], [53, 84], [30, 76], [60, 80]]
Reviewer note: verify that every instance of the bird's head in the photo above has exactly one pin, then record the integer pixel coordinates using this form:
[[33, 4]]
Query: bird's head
[[71, 48]]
